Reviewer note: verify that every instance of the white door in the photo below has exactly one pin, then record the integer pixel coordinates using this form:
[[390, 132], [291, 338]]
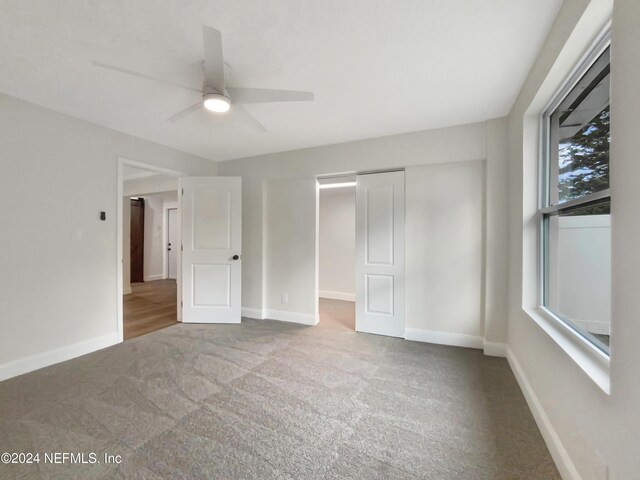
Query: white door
[[380, 254], [211, 238], [172, 243]]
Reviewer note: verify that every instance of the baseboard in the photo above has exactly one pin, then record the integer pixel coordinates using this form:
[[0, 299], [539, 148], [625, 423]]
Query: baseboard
[[255, 313], [348, 297], [443, 338], [292, 317], [494, 349], [50, 357], [560, 455], [127, 290], [151, 278]]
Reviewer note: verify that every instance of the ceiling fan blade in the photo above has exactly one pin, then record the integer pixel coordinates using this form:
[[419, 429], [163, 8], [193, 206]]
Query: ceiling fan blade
[[213, 59], [265, 95], [140, 75], [183, 113], [249, 119]]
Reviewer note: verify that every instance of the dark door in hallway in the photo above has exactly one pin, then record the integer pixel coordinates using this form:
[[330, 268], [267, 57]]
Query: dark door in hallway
[[137, 240]]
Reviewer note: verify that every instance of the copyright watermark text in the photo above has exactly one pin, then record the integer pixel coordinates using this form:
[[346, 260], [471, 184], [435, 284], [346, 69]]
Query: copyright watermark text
[[79, 458]]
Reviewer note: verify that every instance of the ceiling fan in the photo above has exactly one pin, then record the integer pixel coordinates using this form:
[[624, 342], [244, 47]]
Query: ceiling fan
[[216, 96]]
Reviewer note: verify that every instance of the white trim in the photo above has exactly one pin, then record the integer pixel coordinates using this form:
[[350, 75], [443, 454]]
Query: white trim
[[255, 313], [443, 338], [57, 355], [589, 358], [179, 253], [127, 290], [263, 246], [316, 259], [140, 175], [151, 278], [560, 455], [348, 297], [494, 349], [292, 317], [594, 326], [591, 28]]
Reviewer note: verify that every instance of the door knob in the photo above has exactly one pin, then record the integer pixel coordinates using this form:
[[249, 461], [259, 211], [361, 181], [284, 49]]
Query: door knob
[[236, 257]]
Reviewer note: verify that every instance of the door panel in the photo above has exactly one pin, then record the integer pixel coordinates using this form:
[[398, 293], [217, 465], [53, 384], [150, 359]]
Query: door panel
[[379, 294], [380, 254], [211, 235], [379, 234], [211, 218], [137, 240], [211, 285]]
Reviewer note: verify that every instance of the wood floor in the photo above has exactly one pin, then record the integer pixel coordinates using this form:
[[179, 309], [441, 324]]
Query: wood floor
[[337, 314], [151, 306]]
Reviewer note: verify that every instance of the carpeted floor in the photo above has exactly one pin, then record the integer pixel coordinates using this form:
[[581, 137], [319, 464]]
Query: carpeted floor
[[267, 400]]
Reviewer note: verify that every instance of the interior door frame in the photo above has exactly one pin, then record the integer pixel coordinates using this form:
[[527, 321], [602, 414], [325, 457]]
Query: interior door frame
[[122, 162], [337, 176]]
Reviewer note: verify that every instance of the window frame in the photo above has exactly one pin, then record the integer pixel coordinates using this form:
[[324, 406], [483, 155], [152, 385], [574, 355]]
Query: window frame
[[546, 209]]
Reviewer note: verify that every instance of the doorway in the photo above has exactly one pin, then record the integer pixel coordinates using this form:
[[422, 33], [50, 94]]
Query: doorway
[[209, 219], [360, 252], [148, 298], [336, 252], [150, 301]]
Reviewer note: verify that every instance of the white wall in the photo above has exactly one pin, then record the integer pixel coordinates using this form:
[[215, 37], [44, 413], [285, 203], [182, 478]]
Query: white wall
[[467, 143], [622, 442], [58, 295], [291, 249], [454, 144], [444, 248], [154, 245], [588, 430], [496, 233], [337, 243]]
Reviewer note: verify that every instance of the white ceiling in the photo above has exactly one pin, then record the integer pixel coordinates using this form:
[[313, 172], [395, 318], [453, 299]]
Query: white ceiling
[[377, 67]]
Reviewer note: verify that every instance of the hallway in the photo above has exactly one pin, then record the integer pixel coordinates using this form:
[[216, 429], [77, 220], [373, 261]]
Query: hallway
[[151, 306], [337, 314]]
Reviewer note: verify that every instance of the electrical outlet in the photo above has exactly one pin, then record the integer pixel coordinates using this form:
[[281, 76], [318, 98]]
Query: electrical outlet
[[284, 298]]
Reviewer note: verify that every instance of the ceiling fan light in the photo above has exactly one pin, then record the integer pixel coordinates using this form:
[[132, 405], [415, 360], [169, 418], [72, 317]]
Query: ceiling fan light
[[216, 102]]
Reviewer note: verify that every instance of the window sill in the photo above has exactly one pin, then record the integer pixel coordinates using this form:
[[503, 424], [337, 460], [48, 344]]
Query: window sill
[[589, 358]]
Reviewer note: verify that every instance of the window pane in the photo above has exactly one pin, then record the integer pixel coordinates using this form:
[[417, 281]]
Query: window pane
[[580, 137], [577, 269]]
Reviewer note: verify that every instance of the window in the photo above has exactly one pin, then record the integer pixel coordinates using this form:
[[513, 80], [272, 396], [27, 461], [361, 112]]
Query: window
[[576, 205]]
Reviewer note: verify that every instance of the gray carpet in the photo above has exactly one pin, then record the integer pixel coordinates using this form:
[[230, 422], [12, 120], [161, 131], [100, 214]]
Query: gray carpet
[[270, 400]]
